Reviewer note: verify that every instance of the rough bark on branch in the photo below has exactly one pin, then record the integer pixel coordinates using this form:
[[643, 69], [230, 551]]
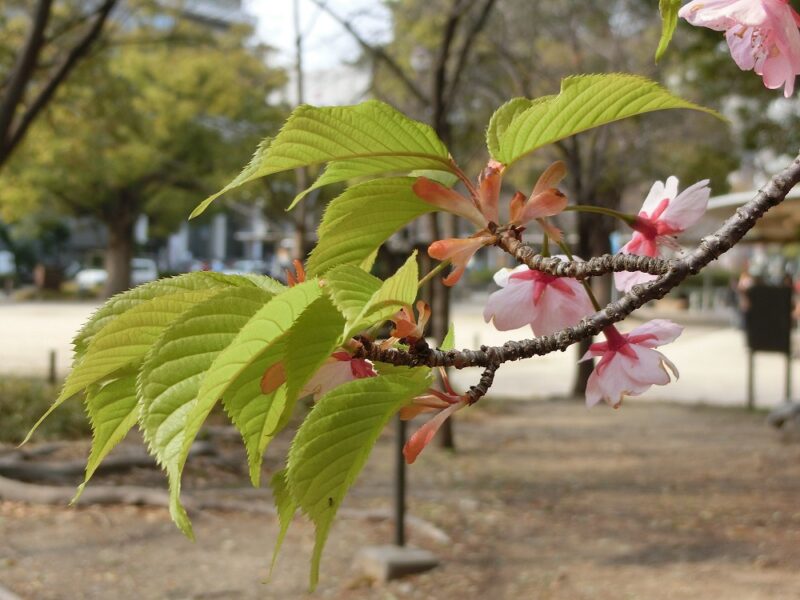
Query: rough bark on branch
[[709, 248]]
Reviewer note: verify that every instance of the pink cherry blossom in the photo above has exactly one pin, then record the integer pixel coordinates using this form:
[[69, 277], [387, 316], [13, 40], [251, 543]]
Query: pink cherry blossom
[[665, 213], [339, 368], [762, 35], [545, 302], [628, 364]]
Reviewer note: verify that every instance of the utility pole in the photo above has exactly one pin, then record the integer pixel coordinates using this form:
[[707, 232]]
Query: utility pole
[[301, 174]]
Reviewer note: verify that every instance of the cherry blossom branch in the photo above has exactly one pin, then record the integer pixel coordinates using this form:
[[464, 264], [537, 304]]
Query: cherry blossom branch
[[709, 248], [600, 265]]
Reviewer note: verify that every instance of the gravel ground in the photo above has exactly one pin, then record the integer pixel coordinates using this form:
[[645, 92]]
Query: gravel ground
[[542, 500]]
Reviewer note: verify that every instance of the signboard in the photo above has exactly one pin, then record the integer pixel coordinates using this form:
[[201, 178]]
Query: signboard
[[768, 320]]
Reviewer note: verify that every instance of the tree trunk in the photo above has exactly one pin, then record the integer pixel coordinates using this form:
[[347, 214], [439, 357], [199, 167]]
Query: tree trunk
[[119, 253]]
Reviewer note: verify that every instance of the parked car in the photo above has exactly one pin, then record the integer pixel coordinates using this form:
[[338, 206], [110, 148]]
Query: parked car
[[142, 271]]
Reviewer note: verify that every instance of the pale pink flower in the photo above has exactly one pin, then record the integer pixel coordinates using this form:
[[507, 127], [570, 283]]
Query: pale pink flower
[[339, 368], [628, 364], [665, 213], [545, 302], [762, 35]]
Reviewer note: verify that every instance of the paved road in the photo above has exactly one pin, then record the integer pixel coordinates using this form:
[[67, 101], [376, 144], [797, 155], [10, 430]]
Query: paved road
[[712, 360]]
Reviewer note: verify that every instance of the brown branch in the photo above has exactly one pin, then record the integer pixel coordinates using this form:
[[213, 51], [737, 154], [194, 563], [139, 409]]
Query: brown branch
[[24, 66], [710, 248], [476, 392], [77, 52], [466, 48], [594, 267], [377, 52], [440, 100]]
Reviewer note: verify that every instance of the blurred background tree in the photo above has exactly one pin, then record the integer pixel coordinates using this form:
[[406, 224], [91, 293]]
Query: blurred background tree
[[41, 43], [160, 118]]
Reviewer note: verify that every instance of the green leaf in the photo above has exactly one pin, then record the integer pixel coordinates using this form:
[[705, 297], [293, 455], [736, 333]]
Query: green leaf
[[359, 168], [503, 117], [314, 337], [121, 303], [112, 413], [397, 291], [170, 377], [256, 415], [265, 327], [334, 441], [447, 179], [351, 288], [124, 341], [585, 101], [265, 283], [286, 507], [362, 218], [669, 21], [370, 130], [449, 341]]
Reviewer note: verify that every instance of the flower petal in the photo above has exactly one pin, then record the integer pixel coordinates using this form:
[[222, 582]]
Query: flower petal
[[550, 177], [657, 332], [544, 204], [512, 306], [688, 206], [459, 251], [558, 309], [422, 437], [448, 200], [625, 280], [489, 190]]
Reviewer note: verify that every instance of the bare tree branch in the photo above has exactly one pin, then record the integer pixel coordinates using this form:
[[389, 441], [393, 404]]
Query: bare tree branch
[[24, 66], [439, 99], [466, 48], [377, 53], [11, 134]]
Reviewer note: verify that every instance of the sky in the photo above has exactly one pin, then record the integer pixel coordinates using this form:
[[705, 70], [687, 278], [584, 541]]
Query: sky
[[326, 44]]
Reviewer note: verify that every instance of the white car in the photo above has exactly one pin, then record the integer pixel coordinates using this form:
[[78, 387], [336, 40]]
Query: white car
[[142, 271]]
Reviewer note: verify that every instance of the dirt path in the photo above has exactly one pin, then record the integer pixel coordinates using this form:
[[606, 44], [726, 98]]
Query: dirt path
[[543, 500]]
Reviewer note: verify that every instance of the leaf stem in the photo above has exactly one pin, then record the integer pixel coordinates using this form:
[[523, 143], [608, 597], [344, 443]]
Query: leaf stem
[[473, 192], [626, 218], [432, 273]]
